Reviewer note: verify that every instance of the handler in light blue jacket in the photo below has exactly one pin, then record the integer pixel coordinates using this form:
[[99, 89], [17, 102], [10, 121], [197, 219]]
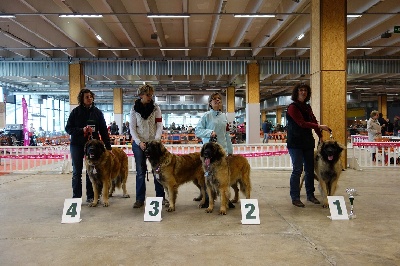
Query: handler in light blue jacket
[[214, 123]]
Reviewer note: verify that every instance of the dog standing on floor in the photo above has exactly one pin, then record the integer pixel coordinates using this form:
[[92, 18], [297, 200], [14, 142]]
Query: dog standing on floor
[[328, 167], [222, 172]]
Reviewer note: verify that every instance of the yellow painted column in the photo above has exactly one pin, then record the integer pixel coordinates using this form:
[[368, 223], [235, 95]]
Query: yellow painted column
[[278, 115], [118, 107], [76, 83], [253, 103], [328, 65], [382, 105], [230, 103], [263, 116]]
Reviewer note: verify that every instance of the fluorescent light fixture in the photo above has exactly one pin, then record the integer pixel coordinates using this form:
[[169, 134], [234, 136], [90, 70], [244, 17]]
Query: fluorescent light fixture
[[392, 94], [98, 37], [359, 48], [238, 48], [7, 16], [253, 16], [113, 49], [354, 16], [301, 36], [393, 88], [145, 81], [51, 49], [80, 16], [181, 81], [168, 15], [174, 49], [365, 88]]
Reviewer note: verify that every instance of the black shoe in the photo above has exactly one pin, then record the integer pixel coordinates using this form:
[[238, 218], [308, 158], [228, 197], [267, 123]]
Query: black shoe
[[231, 205], [314, 200], [138, 204], [298, 203], [205, 204]]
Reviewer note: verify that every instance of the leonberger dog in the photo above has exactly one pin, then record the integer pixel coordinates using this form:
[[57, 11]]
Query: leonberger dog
[[173, 170], [222, 172], [328, 167], [106, 170]]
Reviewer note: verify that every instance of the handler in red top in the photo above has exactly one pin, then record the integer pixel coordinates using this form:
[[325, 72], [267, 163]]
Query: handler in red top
[[300, 142]]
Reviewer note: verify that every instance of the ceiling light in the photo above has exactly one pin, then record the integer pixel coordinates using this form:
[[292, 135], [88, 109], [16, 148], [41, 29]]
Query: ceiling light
[[238, 48], [168, 15], [145, 81], [393, 88], [7, 16], [174, 49], [181, 81], [51, 49], [359, 48], [354, 16], [80, 16], [365, 88], [253, 16], [301, 36], [113, 49], [98, 37]]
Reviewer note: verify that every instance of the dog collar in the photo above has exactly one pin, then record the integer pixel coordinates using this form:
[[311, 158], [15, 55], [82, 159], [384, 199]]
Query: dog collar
[[158, 168]]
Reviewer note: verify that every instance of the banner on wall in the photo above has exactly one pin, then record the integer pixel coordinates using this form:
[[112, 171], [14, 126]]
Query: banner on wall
[[25, 122]]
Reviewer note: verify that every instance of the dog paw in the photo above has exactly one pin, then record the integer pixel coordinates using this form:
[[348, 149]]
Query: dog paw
[[234, 200], [92, 204], [126, 196], [222, 212], [106, 204], [325, 206], [170, 209], [208, 210]]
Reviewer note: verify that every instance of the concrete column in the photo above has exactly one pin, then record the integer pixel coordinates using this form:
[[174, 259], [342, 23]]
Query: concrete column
[[253, 103], [118, 107], [278, 115], [76, 83], [382, 105], [328, 65], [230, 103]]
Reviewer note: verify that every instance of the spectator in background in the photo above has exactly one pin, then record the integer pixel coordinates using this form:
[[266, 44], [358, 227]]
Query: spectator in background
[[114, 129], [126, 130], [382, 123], [396, 126], [374, 130], [266, 127], [389, 127]]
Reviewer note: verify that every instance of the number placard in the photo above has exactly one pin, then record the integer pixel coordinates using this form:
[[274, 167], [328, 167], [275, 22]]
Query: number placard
[[72, 211], [153, 208], [250, 211], [337, 207]]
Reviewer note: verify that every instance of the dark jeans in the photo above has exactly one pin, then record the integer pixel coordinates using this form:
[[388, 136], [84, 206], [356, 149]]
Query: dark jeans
[[77, 153], [141, 169], [300, 157]]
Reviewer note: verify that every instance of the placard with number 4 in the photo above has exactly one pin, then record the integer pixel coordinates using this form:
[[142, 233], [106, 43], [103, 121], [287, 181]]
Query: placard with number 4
[[72, 211], [250, 211]]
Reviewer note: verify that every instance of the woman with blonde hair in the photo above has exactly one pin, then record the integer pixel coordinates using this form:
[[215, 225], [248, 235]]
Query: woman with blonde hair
[[145, 125], [374, 130]]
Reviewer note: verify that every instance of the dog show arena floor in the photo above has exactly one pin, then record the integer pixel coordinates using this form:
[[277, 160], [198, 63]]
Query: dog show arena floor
[[31, 232]]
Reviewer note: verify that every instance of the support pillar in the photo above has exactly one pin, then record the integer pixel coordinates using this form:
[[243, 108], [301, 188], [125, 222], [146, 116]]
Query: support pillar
[[230, 103], [382, 105], [328, 66], [118, 108], [253, 103], [76, 83], [279, 115]]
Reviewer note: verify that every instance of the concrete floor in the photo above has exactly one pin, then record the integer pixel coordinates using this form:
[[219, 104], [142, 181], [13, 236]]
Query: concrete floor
[[31, 232]]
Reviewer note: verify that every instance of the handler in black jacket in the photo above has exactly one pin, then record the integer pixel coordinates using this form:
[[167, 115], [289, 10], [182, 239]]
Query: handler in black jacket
[[84, 121]]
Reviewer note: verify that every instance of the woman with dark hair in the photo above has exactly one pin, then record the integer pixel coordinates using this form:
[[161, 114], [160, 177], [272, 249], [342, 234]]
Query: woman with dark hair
[[145, 125], [300, 142], [84, 122]]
